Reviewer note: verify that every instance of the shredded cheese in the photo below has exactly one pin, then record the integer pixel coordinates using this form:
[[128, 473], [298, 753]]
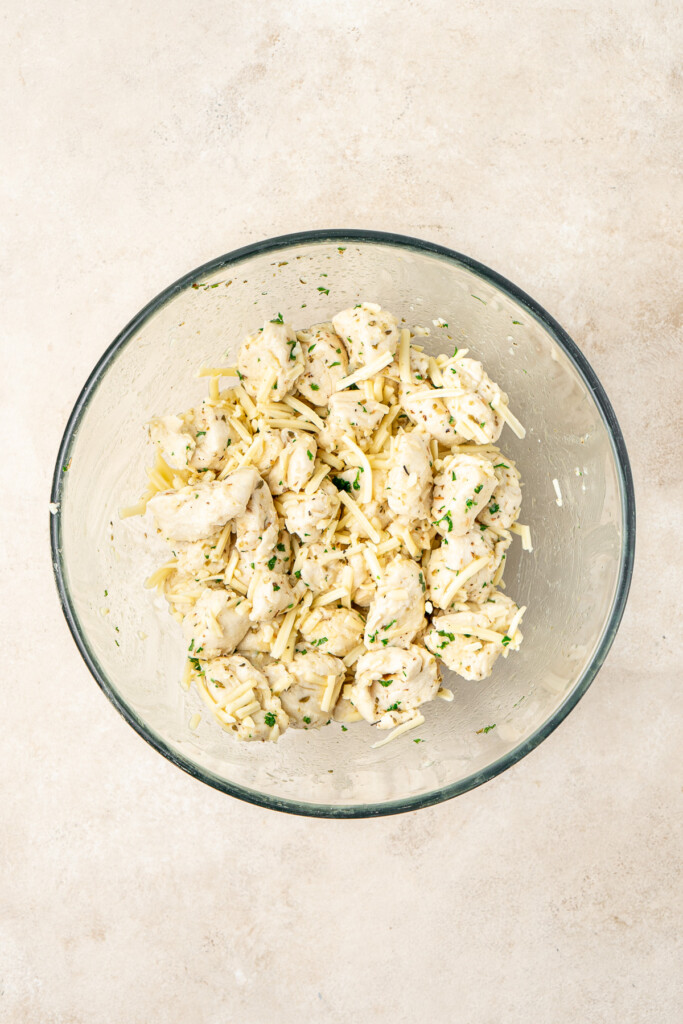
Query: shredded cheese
[[160, 575], [404, 374], [372, 563], [245, 401], [333, 685], [524, 532], [217, 371], [516, 622], [382, 433], [511, 420], [400, 730], [238, 426], [421, 396], [360, 517], [352, 657], [465, 574], [316, 480], [330, 597], [305, 411], [289, 423], [331, 460], [222, 541], [369, 370], [435, 373], [558, 493]]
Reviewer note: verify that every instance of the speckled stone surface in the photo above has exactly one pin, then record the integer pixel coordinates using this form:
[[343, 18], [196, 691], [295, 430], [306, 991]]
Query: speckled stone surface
[[141, 140]]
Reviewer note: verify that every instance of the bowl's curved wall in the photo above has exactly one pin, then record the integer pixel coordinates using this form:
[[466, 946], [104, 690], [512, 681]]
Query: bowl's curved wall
[[574, 583]]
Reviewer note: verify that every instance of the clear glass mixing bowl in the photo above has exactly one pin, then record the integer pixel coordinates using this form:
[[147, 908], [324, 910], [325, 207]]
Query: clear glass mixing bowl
[[574, 584]]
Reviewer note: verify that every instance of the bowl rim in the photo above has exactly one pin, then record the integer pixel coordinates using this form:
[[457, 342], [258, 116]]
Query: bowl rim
[[627, 496]]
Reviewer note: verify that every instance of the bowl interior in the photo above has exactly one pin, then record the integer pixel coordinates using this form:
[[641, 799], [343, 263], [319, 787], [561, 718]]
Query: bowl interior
[[573, 583]]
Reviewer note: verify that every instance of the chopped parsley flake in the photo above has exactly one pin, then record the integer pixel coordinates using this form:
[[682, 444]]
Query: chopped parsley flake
[[278, 319], [271, 562], [269, 718], [326, 290]]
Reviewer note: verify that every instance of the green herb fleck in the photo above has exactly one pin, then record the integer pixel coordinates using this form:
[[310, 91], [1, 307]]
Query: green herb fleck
[[269, 718], [278, 319], [326, 290], [487, 728], [271, 562], [449, 520]]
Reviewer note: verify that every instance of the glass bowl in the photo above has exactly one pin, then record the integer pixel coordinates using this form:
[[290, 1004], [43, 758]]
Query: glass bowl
[[574, 583]]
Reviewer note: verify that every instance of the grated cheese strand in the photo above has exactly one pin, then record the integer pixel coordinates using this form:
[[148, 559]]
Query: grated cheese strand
[[367, 371], [400, 730], [360, 517]]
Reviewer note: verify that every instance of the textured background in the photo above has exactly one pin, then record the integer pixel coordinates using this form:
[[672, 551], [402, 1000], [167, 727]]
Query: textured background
[[141, 140]]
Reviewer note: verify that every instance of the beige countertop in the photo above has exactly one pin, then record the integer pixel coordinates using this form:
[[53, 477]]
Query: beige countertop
[[142, 140]]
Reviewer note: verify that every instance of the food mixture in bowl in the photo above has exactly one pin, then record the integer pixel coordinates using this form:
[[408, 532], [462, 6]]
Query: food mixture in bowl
[[338, 520]]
